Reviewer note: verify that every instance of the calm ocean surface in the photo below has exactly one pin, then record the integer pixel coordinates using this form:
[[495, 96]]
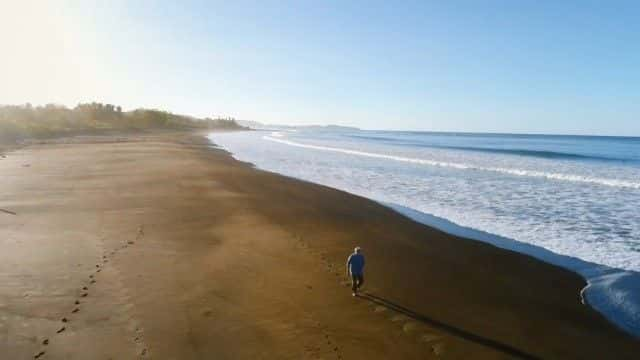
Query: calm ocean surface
[[576, 196]]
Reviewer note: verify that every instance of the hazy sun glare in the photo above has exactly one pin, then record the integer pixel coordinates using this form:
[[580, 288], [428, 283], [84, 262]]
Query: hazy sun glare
[[45, 57]]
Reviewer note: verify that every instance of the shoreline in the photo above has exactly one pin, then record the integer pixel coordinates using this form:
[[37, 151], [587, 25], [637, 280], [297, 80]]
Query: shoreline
[[590, 273], [187, 210], [602, 284], [596, 296]]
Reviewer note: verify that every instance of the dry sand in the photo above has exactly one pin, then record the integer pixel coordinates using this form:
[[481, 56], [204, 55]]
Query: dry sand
[[159, 247]]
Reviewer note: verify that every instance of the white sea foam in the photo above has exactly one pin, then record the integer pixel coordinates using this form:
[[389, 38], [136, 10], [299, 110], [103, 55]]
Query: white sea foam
[[516, 172]]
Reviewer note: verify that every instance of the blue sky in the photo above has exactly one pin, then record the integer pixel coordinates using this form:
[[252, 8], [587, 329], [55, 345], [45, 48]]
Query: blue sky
[[494, 66]]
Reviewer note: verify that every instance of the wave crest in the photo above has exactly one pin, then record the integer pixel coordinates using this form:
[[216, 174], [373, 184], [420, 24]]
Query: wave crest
[[462, 166]]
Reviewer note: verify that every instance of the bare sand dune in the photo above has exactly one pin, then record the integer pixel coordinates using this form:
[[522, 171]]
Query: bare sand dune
[[159, 247]]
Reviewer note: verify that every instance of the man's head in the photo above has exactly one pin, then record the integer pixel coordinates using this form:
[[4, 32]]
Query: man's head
[[357, 250]]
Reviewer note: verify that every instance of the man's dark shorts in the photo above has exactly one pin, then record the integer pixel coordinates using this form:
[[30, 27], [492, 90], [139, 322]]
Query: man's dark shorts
[[356, 281]]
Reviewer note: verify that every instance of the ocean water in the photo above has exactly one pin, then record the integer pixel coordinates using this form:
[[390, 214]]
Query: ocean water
[[573, 201]]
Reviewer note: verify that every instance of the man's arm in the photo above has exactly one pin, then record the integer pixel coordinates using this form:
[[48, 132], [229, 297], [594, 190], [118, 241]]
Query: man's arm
[[348, 263]]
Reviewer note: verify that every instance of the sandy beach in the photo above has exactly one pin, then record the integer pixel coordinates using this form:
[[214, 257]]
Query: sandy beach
[[159, 246]]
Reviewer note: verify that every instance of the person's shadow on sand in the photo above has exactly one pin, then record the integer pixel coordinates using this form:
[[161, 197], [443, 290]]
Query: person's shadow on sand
[[447, 328]]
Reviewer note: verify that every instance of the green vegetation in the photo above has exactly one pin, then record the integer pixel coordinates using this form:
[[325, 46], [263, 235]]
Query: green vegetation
[[18, 122]]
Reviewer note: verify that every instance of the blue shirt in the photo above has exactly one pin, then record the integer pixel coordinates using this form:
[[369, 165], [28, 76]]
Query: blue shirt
[[356, 263]]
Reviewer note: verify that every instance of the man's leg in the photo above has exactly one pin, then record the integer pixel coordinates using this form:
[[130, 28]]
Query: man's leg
[[360, 280], [354, 283]]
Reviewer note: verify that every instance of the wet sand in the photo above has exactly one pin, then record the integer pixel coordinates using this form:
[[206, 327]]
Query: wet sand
[[159, 247]]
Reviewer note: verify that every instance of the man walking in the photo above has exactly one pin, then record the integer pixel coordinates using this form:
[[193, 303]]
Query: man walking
[[355, 268]]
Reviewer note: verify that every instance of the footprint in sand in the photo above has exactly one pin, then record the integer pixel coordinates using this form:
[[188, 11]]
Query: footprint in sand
[[38, 355], [139, 340], [410, 327], [313, 351], [438, 349], [379, 309], [75, 310], [61, 330], [430, 337], [398, 318], [45, 342]]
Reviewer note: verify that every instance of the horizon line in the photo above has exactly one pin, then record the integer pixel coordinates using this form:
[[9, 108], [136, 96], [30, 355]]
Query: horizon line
[[444, 131]]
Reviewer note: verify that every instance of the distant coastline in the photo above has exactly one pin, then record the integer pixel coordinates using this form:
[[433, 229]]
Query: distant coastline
[[267, 126]]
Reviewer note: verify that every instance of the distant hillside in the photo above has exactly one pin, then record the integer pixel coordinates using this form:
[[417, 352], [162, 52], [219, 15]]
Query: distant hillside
[[252, 124], [260, 126], [19, 122], [329, 127]]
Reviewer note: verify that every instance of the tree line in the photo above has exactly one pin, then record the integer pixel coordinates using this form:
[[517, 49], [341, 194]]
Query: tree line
[[26, 121]]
